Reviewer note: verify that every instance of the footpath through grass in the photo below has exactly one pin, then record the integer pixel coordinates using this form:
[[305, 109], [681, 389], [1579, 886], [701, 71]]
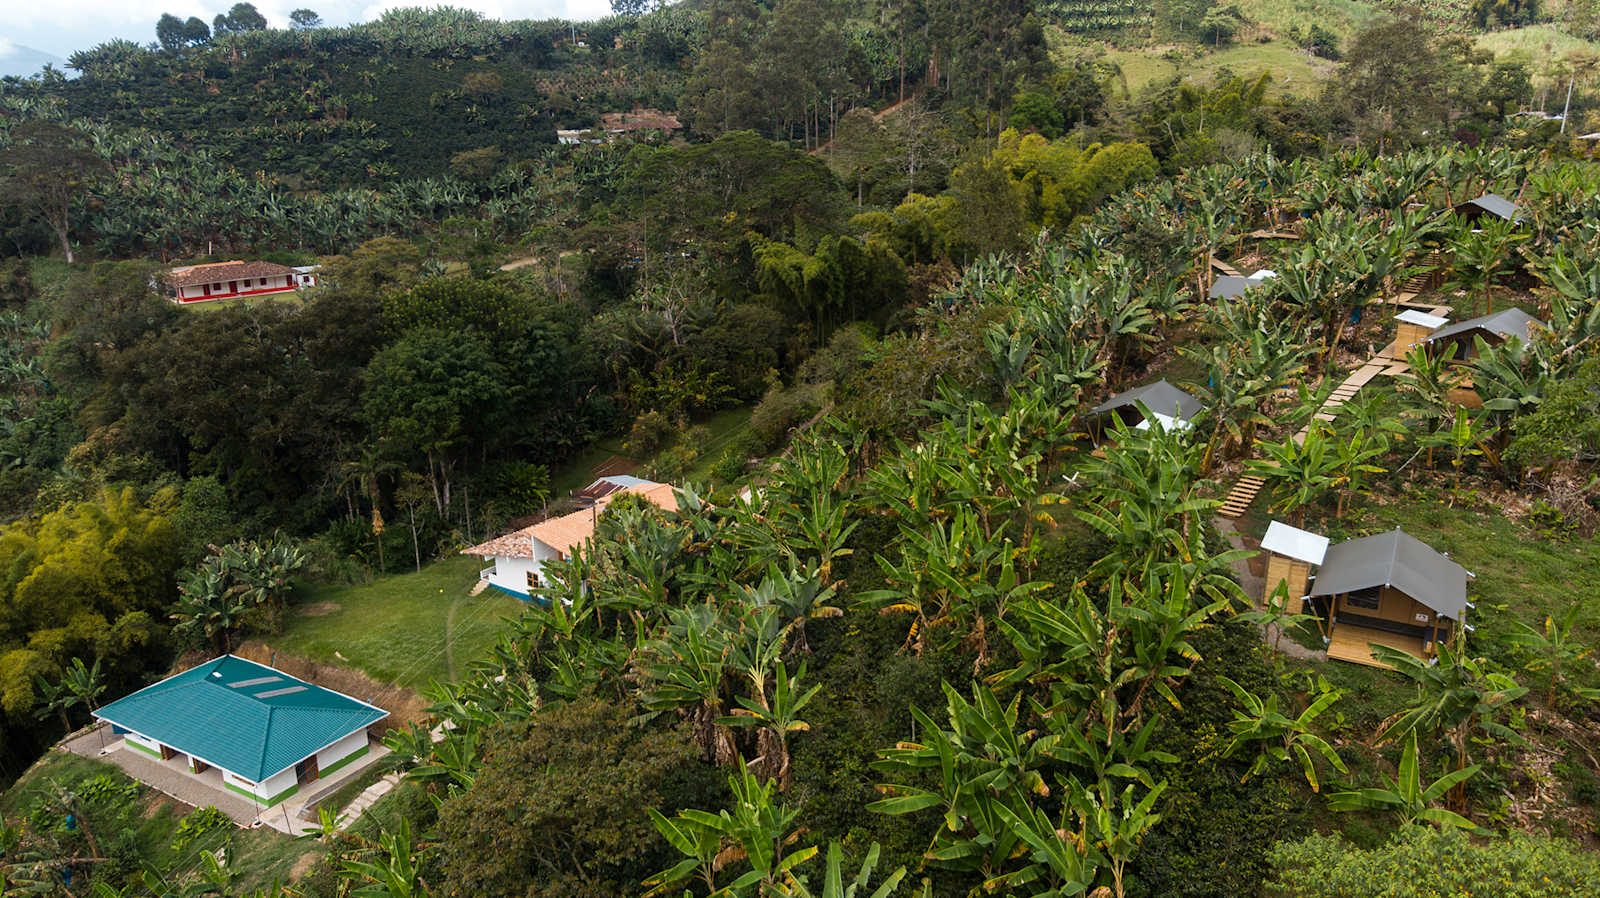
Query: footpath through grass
[[403, 629]]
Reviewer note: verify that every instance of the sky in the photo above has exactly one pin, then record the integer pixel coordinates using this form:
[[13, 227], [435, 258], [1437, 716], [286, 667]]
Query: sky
[[63, 26]]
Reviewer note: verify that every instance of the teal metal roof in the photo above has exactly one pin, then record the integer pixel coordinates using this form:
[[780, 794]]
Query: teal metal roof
[[241, 716]]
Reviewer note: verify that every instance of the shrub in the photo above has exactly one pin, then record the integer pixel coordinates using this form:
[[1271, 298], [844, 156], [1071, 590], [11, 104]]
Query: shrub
[[109, 789], [200, 823], [649, 433], [783, 410], [1419, 861]]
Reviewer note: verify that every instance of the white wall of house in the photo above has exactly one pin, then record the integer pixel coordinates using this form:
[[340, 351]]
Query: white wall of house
[[511, 574], [142, 742], [229, 287], [342, 749], [267, 789]]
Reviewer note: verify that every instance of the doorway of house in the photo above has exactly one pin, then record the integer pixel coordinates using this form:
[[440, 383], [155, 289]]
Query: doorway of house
[[306, 771]]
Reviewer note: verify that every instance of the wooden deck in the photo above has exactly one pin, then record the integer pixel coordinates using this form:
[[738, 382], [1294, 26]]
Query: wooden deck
[[1352, 643]]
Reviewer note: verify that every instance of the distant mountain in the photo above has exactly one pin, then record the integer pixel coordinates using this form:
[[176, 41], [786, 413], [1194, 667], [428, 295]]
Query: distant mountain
[[16, 59]]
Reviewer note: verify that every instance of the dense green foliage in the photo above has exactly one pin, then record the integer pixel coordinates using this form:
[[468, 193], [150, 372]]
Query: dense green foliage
[[1433, 862], [939, 634]]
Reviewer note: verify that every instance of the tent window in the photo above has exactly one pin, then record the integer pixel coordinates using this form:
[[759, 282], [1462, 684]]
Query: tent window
[[1364, 598]]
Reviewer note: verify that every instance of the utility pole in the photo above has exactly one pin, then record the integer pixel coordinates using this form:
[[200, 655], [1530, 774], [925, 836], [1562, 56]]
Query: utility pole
[[1568, 108]]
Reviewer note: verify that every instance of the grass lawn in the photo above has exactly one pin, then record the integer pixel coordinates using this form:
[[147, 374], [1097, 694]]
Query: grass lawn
[[1540, 42], [1293, 71], [260, 856], [725, 427], [403, 629]]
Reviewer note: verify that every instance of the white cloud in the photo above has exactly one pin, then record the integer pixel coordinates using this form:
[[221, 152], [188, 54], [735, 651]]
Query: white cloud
[[6, 47]]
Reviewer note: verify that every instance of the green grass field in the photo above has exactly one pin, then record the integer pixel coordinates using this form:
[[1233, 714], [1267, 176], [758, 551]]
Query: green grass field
[[403, 629], [1538, 42], [1342, 17], [260, 856], [1292, 70]]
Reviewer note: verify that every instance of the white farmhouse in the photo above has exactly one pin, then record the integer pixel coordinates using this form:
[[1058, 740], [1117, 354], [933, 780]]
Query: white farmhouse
[[519, 557]]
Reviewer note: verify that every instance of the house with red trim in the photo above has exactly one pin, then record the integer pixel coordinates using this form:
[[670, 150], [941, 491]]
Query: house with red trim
[[229, 280]]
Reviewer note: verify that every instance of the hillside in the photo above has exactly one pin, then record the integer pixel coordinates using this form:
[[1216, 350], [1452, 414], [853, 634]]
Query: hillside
[[881, 468]]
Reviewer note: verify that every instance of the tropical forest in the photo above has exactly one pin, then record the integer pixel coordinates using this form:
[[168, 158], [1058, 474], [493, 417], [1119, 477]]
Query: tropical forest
[[805, 449]]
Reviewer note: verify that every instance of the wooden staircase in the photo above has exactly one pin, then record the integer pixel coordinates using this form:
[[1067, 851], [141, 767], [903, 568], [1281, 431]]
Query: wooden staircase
[[1427, 280], [1239, 498]]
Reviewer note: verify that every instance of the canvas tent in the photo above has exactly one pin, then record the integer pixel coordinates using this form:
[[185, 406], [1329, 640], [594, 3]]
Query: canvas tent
[[1413, 327], [1489, 204], [1171, 407], [1231, 285], [1457, 339], [1391, 589]]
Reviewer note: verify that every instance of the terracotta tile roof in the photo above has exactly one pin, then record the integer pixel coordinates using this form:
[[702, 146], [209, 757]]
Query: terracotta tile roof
[[218, 272], [562, 533]]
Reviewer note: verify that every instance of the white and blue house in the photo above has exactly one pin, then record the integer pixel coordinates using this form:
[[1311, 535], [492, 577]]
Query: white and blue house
[[265, 732]]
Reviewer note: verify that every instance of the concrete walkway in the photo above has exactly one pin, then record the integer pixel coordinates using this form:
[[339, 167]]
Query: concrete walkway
[[368, 797], [197, 790], [170, 778]]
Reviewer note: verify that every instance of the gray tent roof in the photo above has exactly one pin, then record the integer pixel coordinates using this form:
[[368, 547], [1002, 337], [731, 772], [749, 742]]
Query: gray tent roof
[[1505, 323], [1160, 397], [1399, 560], [1230, 286], [1494, 204]]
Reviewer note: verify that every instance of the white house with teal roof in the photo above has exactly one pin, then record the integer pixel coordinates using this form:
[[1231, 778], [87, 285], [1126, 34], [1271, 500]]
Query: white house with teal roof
[[265, 732]]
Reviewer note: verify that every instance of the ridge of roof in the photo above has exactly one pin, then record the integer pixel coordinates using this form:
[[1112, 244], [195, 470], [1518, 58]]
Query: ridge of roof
[[1512, 322], [1398, 560]]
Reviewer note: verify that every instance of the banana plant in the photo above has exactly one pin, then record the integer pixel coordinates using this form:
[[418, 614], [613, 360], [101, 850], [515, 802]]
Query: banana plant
[[393, 873], [978, 764], [799, 596], [834, 884], [1115, 823], [1406, 797], [1060, 861], [1281, 737], [684, 671], [776, 717], [1463, 439], [756, 829], [1480, 253], [1554, 647], [1300, 473], [1456, 696]]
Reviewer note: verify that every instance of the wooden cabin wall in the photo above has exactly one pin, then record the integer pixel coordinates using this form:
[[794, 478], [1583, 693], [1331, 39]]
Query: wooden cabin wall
[[1290, 571]]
